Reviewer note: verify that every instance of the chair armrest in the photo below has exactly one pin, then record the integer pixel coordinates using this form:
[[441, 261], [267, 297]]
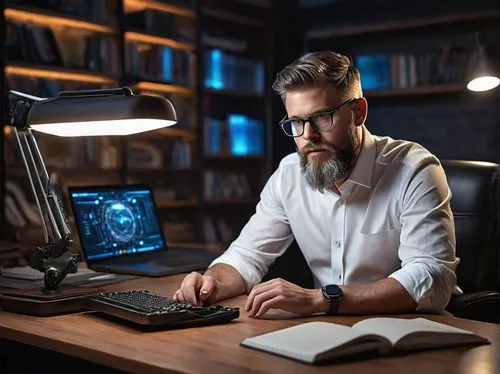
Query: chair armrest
[[480, 306]]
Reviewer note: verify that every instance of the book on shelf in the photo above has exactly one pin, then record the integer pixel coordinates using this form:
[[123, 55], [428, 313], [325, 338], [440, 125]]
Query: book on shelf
[[446, 65], [43, 45], [316, 342]]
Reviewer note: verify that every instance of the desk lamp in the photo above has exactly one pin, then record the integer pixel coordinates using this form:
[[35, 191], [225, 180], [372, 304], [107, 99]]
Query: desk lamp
[[73, 113]]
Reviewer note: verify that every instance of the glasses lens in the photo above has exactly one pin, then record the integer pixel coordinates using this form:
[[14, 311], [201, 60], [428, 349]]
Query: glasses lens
[[322, 121], [292, 127]]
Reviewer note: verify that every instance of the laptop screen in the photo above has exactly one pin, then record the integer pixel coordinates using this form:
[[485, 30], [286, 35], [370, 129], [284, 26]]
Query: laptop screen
[[116, 220]]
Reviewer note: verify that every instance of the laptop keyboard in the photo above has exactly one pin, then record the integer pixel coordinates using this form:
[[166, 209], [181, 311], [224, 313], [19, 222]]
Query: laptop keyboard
[[143, 308]]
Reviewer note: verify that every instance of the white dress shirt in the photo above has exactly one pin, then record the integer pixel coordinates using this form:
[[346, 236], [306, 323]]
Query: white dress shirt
[[391, 219]]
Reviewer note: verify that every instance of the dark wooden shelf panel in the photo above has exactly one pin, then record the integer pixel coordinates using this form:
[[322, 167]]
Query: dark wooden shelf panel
[[162, 170], [173, 132], [259, 3], [213, 247], [158, 87], [20, 13], [164, 203], [233, 93], [89, 170], [400, 25], [137, 36], [135, 5], [57, 72], [232, 17], [231, 201], [417, 90]]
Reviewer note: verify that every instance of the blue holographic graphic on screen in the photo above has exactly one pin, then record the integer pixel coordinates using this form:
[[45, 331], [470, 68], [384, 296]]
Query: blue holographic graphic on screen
[[116, 222]]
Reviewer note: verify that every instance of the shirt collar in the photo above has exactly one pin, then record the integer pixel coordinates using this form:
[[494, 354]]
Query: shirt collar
[[362, 172]]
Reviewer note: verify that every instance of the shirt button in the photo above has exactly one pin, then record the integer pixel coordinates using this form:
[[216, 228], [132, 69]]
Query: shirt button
[[337, 244], [339, 276]]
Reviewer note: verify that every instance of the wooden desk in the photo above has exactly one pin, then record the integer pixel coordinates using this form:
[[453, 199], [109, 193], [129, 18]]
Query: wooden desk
[[215, 349]]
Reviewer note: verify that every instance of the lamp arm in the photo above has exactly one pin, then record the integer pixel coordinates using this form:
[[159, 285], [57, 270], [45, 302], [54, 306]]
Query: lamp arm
[[52, 258]]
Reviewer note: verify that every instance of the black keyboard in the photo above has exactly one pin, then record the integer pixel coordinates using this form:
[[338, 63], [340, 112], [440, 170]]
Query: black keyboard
[[146, 309]]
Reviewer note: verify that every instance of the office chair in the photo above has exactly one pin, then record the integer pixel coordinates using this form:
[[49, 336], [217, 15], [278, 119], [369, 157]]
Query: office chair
[[475, 188]]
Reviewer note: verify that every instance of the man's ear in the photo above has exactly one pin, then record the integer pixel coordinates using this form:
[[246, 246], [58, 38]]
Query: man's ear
[[360, 111]]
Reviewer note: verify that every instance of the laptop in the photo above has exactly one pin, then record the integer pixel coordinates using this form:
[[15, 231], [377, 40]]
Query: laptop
[[120, 232]]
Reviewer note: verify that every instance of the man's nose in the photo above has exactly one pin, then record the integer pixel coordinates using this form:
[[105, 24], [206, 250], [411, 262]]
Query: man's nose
[[309, 131]]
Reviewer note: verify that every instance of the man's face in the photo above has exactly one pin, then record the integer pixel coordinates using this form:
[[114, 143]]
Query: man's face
[[326, 156]]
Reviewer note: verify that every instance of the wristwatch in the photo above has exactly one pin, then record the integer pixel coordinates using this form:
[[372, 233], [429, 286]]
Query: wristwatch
[[334, 295]]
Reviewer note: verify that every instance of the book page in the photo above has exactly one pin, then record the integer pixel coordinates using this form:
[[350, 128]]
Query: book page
[[316, 341], [417, 333]]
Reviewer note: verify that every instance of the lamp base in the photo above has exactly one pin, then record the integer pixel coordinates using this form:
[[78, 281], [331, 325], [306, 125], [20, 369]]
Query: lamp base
[[38, 302]]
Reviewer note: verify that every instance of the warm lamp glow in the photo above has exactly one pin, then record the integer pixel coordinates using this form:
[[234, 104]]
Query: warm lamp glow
[[484, 83], [102, 128], [484, 75], [153, 39]]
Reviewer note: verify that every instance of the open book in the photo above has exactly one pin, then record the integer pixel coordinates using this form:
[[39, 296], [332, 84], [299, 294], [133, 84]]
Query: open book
[[315, 342]]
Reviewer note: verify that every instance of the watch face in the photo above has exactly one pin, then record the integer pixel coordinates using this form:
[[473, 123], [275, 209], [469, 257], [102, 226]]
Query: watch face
[[333, 290]]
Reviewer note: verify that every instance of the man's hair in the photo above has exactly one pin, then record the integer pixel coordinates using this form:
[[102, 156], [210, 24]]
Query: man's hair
[[318, 68]]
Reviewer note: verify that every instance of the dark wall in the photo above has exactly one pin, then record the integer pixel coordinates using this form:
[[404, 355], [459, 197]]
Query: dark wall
[[459, 125], [465, 126], [289, 38]]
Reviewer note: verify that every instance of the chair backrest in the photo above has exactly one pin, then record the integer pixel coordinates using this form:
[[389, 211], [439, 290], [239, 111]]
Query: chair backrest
[[475, 198]]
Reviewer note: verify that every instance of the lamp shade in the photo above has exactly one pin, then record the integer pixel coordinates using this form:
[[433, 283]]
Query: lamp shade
[[483, 82], [101, 115], [484, 76]]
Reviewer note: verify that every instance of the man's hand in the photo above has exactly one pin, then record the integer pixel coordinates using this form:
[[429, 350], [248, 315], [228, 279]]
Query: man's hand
[[280, 294], [196, 289]]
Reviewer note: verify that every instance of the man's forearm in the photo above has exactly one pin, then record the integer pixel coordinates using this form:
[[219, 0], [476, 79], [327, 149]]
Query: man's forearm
[[384, 296], [229, 281]]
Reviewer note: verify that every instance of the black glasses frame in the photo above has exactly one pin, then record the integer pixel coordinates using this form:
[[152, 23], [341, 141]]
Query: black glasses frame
[[331, 112]]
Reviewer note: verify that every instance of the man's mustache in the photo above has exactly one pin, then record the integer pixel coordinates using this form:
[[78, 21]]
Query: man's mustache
[[310, 147]]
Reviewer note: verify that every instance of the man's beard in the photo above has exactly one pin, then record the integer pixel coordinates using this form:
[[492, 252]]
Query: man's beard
[[324, 174]]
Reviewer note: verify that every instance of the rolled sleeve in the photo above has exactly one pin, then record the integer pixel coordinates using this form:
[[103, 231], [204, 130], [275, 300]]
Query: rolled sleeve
[[427, 247], [429, 285]]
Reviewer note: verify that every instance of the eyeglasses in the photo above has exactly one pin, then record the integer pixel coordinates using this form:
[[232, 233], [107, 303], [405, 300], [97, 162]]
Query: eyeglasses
[[321, 121]]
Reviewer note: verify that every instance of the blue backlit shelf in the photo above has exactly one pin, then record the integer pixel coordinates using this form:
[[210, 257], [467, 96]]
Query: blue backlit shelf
[[230, 156]]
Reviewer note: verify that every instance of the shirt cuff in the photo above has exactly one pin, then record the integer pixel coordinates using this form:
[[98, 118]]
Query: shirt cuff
[[430, 287]]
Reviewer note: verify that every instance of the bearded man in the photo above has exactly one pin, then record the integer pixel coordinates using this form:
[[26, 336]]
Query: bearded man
[[370, 214]]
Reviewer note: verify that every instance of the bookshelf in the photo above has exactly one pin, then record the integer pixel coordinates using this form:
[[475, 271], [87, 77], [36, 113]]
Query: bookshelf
[[236, 43], [424, 54], [401, 25], [415, 60], [154, 47]]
